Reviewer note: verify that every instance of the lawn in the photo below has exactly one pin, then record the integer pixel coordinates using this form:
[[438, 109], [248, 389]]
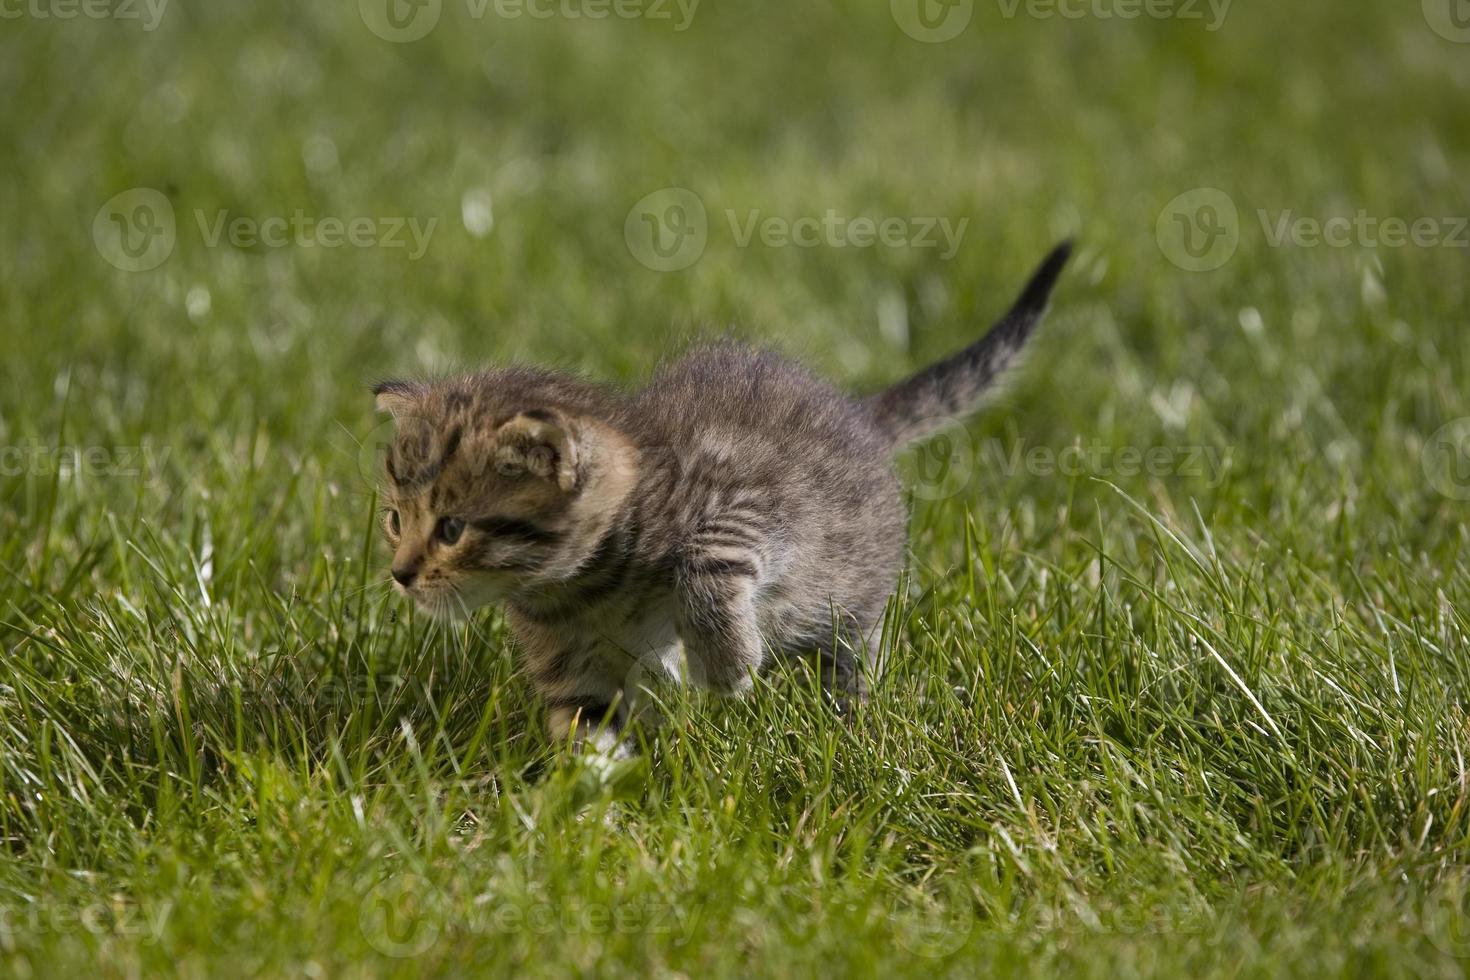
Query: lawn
[[1178, 674]]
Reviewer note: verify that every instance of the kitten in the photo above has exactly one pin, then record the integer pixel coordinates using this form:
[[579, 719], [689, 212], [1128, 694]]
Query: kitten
[[736, 505]]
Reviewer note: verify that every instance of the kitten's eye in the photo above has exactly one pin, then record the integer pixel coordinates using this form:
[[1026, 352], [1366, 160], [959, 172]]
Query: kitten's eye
[[450, 528], [395, 526]]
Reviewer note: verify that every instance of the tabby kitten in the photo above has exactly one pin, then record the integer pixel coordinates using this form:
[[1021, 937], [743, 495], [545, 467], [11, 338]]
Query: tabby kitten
[[737, 505]]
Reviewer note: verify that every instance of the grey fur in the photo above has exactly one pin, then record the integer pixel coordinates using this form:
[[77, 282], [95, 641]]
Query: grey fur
[[736, 504]]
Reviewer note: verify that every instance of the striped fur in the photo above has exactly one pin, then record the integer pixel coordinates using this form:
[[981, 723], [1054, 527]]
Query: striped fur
[[734, 508]]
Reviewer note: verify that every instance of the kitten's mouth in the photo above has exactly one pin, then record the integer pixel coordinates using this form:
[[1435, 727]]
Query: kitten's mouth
[[449, 611], [453, 603], [441, 606]]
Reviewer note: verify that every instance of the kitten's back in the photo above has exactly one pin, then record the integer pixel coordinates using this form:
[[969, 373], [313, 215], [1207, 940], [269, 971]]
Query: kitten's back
[[753, 432]]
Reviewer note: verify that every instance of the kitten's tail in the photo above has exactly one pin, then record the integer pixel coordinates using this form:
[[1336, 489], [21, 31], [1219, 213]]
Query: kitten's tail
[[918, 407]]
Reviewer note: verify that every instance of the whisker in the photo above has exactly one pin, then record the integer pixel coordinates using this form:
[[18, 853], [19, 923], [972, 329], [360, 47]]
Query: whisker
[[352, 593]]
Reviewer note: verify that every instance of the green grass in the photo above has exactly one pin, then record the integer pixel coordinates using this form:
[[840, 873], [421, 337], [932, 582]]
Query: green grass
[[1206, 719]]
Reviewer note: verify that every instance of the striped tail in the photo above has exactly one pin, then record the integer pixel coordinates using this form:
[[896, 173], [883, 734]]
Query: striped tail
[[918, 407]]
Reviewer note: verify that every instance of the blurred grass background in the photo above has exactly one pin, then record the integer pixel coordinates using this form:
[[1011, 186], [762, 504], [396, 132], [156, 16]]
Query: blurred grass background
[[1190, 723]]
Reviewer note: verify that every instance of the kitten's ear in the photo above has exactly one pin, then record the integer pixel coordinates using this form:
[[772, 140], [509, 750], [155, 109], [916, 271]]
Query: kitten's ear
[[397, 397], [541, 443]]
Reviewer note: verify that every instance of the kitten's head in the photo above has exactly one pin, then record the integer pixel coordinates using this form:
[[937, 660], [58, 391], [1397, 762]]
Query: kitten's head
[[492, 488]]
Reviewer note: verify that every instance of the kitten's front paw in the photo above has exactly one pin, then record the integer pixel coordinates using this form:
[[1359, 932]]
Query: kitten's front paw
[[587, 728]]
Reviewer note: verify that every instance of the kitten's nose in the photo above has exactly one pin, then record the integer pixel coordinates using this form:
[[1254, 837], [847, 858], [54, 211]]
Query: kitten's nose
[[405, 576]]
